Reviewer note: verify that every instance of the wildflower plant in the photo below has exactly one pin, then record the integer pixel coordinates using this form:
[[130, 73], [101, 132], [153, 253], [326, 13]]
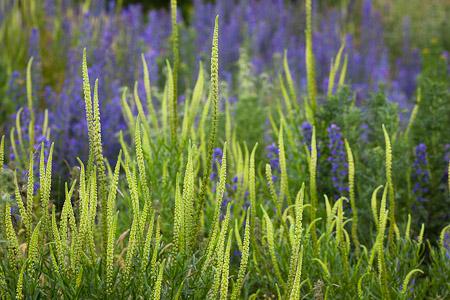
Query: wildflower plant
[[195, 205]]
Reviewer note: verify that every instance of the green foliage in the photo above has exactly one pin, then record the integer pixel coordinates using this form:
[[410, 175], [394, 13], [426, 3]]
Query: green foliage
[[431, 128], [309, 56], [95, 142], [158, 226], [176, 66]]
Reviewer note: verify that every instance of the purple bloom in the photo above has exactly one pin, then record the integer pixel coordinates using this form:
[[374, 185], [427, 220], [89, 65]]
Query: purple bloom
[[307, 133], [337, 159]]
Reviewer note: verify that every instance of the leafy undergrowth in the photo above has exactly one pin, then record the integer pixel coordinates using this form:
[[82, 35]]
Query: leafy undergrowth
[[343, 202]]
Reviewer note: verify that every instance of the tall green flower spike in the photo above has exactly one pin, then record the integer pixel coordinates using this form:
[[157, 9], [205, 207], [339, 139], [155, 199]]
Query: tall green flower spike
[[192, 109], [343, 72], [148, 94], [295, 292], [147, 244], [156, 246], [19, 288], [390, 184], [176, 64], [414, 112], [95, 142], [312, 185], [45, 181], [137, 101], [99, 161], [381, 225], [88, 107], [284, 185], [374, 205], [30, 186], [219, 197], [178, 232], [334, 69], [13, 142], [141, 164], [408, 228], [126, 110], [214, 99], [131, 251], [226, 268], [33, 250], [309, 55], [408, 279], [351, 186], [19, 129], [379, 245], [271, 245], [244, 260], [289, 80], [187, 200], [11, 238], [111, 224], [2, 152], [220, 250], [57, 239], [23, 211], [298, 231], [30, 101], [252, 185], [339, 222], [132, 183], [286, 98], [170, 106], [421, 232], [276, 200], [158, 284]]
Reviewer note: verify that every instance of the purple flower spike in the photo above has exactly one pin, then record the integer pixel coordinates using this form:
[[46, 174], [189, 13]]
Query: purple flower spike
[[272, 155], [337, 159]]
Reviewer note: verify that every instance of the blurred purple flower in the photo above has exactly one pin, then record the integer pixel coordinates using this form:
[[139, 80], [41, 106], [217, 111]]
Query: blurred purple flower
[[337, 159]]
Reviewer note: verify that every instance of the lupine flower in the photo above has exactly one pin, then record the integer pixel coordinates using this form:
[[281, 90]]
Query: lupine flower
[[16, 89], [337, 159], [421, 175], [234, 186]]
